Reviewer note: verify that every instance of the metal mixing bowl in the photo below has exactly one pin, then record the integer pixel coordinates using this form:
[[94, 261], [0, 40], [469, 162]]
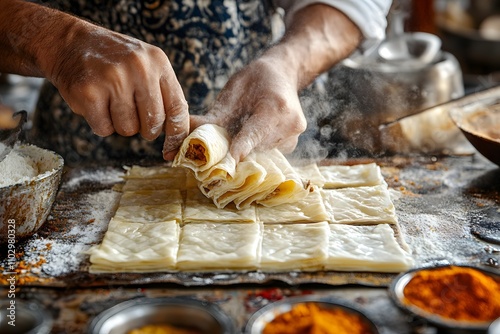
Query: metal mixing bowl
[[24, 206], [204, 317]]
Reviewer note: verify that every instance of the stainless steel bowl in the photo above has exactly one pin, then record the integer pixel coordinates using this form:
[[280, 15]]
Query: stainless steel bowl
[[24, 206], [262, 317], [28, 317], [480, 123], [207, 318], [448, 325]]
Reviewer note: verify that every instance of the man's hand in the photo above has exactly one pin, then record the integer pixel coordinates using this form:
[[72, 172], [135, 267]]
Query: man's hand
[[260, 108], [120, 84], [117, 83], [260, 105]]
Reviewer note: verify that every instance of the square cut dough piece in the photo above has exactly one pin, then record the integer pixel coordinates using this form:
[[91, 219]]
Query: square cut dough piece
[[219, 247], [366, 248], [153, 172], [310, 209], [150, 206], [339, 176], [135, 247], [294, 247], [360, 205], [155, 184], [150, 197], [201, 209], [312, 173]]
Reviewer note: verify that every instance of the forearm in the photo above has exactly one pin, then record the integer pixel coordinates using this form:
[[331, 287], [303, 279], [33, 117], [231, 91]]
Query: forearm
[[317, 37], [31, 36]]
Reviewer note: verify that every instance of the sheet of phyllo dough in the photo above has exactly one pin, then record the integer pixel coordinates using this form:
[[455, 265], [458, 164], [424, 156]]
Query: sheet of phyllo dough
[[136, 247], [312, 173], [360, 205], [340, 176], [310, 209], [150, 206], [247, 179], [292, 189], [177, 182], [219, 247], [200, 209], [153, 172], [272, 179], [294, 247], [372, 248]]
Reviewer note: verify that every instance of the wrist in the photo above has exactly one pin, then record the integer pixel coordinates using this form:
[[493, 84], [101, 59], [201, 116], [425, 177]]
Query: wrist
[[317, 37], [31, 37]]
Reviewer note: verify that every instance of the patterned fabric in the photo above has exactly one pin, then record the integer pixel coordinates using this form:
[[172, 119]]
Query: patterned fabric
[[206, 42]]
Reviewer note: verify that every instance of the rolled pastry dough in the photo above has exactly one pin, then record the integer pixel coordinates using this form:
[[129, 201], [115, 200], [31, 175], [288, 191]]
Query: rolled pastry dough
[[266, 178], [206, 146]]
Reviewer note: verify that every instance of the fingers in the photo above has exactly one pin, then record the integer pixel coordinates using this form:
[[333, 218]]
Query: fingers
[[151, 111], [97, 101], [123, 111], [177, 114], [288, 145]]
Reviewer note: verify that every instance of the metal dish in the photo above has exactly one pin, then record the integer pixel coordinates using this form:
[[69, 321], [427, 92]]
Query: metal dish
[[29, 318], [449, 325], [262, 317], [480, 123], [494, 327], [198, 315], [24, 206]]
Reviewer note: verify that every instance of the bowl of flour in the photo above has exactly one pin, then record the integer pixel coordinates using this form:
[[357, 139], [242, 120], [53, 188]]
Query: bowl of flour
[[29, 180]]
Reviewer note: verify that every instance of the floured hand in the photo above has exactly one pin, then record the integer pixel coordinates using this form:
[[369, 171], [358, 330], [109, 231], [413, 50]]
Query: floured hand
[[260, 108], [120, 84]]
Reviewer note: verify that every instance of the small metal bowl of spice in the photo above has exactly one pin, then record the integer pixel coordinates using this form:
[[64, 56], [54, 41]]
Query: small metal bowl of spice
[[162, 315], [456, 298], [309, 314]]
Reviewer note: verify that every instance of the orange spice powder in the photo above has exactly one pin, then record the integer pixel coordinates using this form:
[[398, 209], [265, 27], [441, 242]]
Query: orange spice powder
[[309, 318], [459, 293]]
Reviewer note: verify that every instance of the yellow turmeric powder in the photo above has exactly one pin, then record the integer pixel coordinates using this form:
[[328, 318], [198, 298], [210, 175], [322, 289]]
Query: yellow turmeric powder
[[459, 293], [161, 329], [309, 318]]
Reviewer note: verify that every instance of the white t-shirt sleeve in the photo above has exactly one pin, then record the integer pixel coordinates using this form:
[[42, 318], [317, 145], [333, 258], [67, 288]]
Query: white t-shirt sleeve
[[368, 15]]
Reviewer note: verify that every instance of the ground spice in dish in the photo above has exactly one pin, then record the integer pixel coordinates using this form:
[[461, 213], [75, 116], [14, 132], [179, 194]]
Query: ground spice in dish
[[162, 329], [459, 293], [309, 318]]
